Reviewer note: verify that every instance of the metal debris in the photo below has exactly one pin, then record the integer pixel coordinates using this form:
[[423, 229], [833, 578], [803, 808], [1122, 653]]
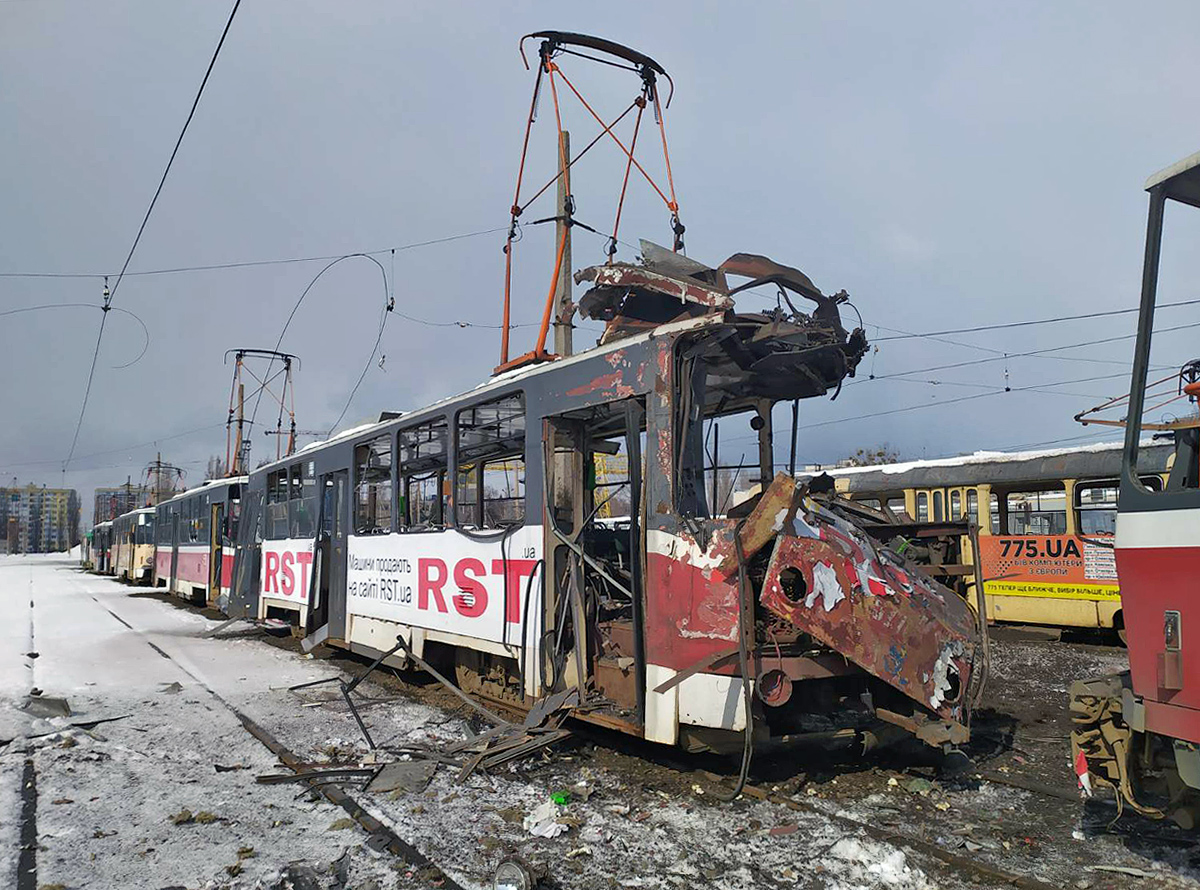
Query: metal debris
[[47, 706], [404, 775]]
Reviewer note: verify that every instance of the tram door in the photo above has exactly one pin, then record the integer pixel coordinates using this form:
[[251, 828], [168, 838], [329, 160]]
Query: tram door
[[174, 546], [594, 551], [331, 547], [216, 553]]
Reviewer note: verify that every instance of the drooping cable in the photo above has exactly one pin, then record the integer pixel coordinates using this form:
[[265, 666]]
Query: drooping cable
[[145, 330], [296, 307], [251, 263]]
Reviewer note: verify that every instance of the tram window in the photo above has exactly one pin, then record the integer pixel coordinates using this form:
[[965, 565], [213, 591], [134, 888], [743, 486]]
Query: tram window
[[503, 493], [203, 506], [608, 476], [277, 508], [373, 486], [955, 505], [1097, 504], [1037, 513], [467, 496], [718, 463], [144, 533], [235, 512], [423, 454], [302, 502], [972, 505], [937, 507], [490, 488], [922, 507]]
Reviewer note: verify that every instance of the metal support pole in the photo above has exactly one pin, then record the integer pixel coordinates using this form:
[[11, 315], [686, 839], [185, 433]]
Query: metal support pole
[[562, 300], [237, 468]]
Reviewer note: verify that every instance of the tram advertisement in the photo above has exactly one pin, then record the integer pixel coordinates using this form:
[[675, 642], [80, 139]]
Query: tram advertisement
[[1063, 566], [445, 580], [286, 569]]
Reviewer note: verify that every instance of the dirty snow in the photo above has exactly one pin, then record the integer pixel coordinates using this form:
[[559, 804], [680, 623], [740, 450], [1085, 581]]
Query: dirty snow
[[623, 827]]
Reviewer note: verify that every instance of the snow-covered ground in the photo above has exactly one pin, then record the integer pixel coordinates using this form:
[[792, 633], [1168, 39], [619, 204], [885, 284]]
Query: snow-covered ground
[[111, 801]]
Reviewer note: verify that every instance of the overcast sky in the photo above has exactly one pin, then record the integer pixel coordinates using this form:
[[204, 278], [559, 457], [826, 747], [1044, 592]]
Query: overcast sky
[[948, 164]]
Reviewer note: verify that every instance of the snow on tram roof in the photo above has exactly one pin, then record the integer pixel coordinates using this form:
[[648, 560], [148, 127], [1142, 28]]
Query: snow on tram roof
[[978, 457], [208, 483]]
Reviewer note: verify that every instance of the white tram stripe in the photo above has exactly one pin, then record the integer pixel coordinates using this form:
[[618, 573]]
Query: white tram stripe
[[1158, 528]]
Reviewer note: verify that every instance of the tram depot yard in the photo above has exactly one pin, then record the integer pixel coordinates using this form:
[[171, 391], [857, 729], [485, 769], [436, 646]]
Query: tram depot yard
[[536, 635], [150, 781]]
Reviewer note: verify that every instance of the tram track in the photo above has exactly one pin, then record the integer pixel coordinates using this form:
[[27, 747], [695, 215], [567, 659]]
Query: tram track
[[651, 766], [380, 835]]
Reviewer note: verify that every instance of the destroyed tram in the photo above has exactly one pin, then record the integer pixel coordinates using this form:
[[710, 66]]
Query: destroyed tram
[[495, 537], [470, 527]]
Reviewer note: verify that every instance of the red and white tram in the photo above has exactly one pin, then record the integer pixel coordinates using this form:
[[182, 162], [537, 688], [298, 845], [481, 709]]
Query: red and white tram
[[1140, 731]]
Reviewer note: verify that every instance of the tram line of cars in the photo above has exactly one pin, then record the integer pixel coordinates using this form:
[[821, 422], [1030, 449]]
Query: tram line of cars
[[468, 530]]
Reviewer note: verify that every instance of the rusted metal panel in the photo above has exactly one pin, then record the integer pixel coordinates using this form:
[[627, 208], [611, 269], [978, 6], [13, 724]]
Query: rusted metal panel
[[828, 579], [625, 275], [766, 520]]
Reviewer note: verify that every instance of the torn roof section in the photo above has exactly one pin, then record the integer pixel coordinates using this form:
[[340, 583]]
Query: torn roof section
[[799, 354], [667, 286]]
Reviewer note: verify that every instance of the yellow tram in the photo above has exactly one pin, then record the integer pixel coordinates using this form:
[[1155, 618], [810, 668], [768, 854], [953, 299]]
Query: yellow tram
[[1045, 528]]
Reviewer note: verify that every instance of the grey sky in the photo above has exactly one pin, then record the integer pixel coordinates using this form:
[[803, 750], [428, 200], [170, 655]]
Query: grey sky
[[948, 164]]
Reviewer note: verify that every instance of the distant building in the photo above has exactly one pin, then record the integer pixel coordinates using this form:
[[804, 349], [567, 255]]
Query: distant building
[[112, 502], [37, 519]]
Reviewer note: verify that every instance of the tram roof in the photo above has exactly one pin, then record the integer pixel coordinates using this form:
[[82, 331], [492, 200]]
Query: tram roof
[[1181, 180], [1100, 460], [211, 483], [137, 511], [497, 382]]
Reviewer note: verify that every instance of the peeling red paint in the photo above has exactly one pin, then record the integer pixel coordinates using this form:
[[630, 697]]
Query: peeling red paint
[[608, 384]]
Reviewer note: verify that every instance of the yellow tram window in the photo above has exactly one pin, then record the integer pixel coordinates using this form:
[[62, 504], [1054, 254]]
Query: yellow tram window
[[1037, 513]]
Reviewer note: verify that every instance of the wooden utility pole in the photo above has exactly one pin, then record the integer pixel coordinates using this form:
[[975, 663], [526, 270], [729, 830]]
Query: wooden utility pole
[[237, 468], [562, 301]]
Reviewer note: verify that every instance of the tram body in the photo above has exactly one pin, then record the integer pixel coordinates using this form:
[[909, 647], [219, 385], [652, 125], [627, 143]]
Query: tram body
[[1045, 531], [102, 538], [195, 533], [133, 545], [1139, 732], [86, 557], [468, 528]]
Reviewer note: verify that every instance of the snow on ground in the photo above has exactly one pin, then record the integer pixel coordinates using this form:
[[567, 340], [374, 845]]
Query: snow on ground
[[111, 801]]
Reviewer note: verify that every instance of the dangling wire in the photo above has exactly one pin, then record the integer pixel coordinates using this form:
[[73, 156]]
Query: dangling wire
[[637, 125]]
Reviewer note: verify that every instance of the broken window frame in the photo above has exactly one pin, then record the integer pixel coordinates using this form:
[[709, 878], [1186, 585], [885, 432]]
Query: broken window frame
[[276, 525], [302, 500], [692, 419], [1108, 506], [422, 461], [374, 486], [481, 442]]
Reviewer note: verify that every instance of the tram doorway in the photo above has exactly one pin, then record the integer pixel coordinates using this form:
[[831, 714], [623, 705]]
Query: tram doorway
[[331, 547], [595, 546], [174, 550], [216, 551]]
